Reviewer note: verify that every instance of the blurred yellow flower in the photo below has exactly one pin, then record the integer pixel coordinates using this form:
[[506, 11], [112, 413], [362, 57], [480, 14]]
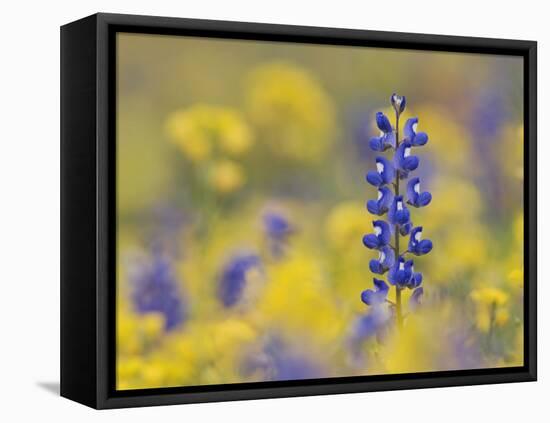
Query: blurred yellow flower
[[292, 110], [226, 176], [291, 284], [490, 309], [202, 129], [346, 224]]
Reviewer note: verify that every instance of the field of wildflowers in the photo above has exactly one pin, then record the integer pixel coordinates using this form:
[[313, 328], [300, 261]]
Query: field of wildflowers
[[252, 175]]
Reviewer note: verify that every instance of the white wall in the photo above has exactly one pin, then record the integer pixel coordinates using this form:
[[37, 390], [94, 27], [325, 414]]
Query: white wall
[[29, 207]]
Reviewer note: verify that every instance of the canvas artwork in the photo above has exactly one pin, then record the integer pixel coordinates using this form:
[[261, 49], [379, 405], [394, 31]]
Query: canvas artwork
[[289, 211]]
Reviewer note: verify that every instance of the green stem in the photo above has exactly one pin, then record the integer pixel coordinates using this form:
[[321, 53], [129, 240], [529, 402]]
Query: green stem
[[398, 307]]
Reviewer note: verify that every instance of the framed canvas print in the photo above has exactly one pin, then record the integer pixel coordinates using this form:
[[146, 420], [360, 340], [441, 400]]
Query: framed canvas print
[[255, 211]]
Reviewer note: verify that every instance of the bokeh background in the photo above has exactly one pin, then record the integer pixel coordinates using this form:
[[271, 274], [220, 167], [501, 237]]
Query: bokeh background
[[241, 208]]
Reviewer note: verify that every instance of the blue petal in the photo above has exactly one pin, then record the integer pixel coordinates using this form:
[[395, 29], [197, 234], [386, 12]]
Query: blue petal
[[367, 296], [386, 200], [408, 129], [376, 267], [370, 241], [374, 178], [381, 285], [410, 163], [376, 144], [383, 122], [372, 207], [385, 234], [424, 246], [406, 228], [421, 138], [424, 199]]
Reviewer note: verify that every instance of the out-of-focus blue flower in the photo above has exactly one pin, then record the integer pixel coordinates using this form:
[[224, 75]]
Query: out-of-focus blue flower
[[417, 245], [386, 259], [403, 160], [398, 102], [385, 172], [415, 197], [377, 295], [416, 298], [280, 361], [382, 204], [155, 289], [276, 225], [399, 213], [371, 324], [233, 278], [278, 229], [413, 137], [381, 236]]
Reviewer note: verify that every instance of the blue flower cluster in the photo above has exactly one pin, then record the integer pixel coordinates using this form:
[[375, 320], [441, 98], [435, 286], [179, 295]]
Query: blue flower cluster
[[233, 278], [278, 230], [155, 289], [392, 203]]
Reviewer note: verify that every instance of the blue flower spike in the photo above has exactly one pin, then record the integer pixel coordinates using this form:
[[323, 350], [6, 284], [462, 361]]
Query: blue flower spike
[[377, 295], [398, 213], [385, 173], [417, 245], [404, 161], [415, 138], [385, 260], [391, 258], [382, 204], [415, 197], [381, 236]]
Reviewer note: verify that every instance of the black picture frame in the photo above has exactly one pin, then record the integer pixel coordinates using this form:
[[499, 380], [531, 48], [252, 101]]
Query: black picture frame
[[88, 209]]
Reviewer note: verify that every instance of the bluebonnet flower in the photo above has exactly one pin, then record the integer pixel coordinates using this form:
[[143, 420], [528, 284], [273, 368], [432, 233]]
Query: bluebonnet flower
[[382, 204], [413, 137], [381, 236], [398, 213], [385, 172], [386, 259], [417, 245], [400, 272], [376, 296], [403, 275], [414, 196], [155, 289], [372, 324], [398, 102], [386, 139], [278, 229], [233, 278], [403, 160]]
